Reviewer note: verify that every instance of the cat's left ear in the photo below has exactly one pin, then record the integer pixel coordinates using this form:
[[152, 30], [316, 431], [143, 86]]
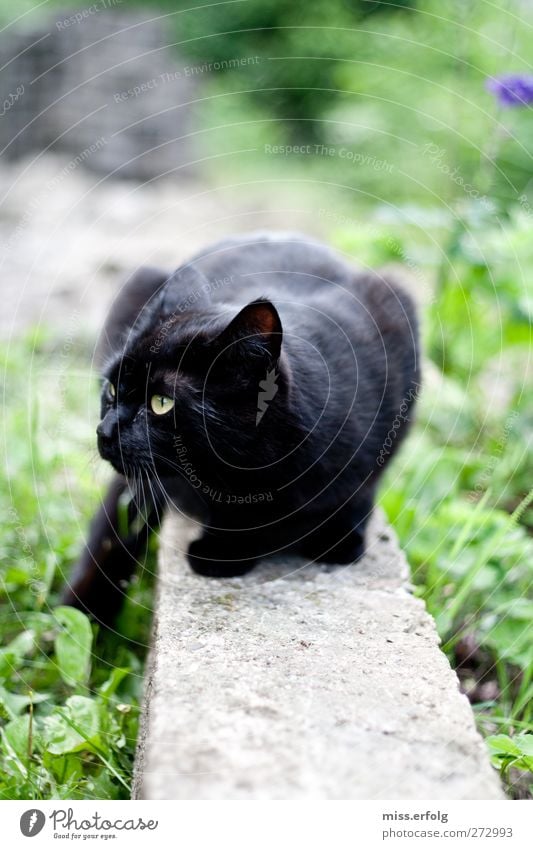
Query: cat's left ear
[[256, 329]]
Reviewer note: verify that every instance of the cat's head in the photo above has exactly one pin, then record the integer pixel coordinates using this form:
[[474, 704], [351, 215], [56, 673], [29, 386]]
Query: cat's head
[[194, 386]]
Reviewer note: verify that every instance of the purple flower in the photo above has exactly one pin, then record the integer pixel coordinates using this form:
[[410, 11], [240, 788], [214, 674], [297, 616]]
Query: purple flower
[[512, 89]]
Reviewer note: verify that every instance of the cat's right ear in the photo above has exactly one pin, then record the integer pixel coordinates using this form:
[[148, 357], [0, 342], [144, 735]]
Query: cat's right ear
[[135, 299], [186, 288], [149, 291]]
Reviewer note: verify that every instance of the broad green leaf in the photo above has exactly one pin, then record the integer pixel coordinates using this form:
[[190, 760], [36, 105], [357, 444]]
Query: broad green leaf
[[15, 743], [65, 768], [73, 646], [12, 656], [525, 743], [72, 728], [501, 744], [14, 704], [109, 687]]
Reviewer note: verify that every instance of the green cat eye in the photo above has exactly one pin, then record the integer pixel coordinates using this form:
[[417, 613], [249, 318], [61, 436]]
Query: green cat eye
[[161, 404], [111, 389]]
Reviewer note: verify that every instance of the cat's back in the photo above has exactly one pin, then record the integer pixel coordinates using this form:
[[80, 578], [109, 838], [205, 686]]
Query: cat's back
[[292, 269], [271, 262]]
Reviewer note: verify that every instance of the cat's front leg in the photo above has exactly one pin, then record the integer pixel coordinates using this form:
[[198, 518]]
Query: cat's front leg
[[339, 538], [220, 555], [117, 541]]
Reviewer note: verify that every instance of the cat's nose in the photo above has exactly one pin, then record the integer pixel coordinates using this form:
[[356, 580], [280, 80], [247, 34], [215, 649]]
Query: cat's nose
[[106, 430]]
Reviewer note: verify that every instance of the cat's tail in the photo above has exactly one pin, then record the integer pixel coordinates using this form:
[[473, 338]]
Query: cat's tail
[[116, 546]]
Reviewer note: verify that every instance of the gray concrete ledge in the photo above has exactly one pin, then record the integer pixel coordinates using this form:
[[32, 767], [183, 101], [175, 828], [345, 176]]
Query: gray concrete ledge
[[295, 682]]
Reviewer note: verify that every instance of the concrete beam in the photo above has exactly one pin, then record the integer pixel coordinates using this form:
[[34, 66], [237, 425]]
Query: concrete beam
[[296, 682]]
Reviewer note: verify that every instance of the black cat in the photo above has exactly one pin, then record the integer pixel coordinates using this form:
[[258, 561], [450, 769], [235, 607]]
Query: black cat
[[261, 387]]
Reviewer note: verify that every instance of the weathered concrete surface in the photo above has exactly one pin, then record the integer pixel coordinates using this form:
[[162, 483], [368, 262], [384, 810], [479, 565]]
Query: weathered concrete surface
[[296, 682]]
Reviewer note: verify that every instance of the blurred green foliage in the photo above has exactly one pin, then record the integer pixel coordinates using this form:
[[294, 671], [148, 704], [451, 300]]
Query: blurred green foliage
[[402, 82], [299, 47]]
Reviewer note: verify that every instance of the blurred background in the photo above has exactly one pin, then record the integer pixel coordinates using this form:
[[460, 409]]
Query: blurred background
[[136, 133]]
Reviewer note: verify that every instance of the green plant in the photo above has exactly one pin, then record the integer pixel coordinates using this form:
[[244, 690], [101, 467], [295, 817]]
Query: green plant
[[69, 695]]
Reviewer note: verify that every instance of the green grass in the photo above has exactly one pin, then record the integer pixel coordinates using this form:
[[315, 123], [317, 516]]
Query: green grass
[[69, 696]]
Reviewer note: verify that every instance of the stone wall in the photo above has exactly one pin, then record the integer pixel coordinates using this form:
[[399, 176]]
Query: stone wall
[[101, 84]]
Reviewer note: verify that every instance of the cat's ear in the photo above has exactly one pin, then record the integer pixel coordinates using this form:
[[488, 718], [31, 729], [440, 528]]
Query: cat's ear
[[136, 299], [255, 330], [186, 288]]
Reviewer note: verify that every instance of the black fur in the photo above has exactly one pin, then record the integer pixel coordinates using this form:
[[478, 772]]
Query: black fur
[[293, 377]]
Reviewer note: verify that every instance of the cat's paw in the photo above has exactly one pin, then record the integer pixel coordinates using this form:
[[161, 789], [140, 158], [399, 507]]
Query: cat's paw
[[322, 549], [204, 562]]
